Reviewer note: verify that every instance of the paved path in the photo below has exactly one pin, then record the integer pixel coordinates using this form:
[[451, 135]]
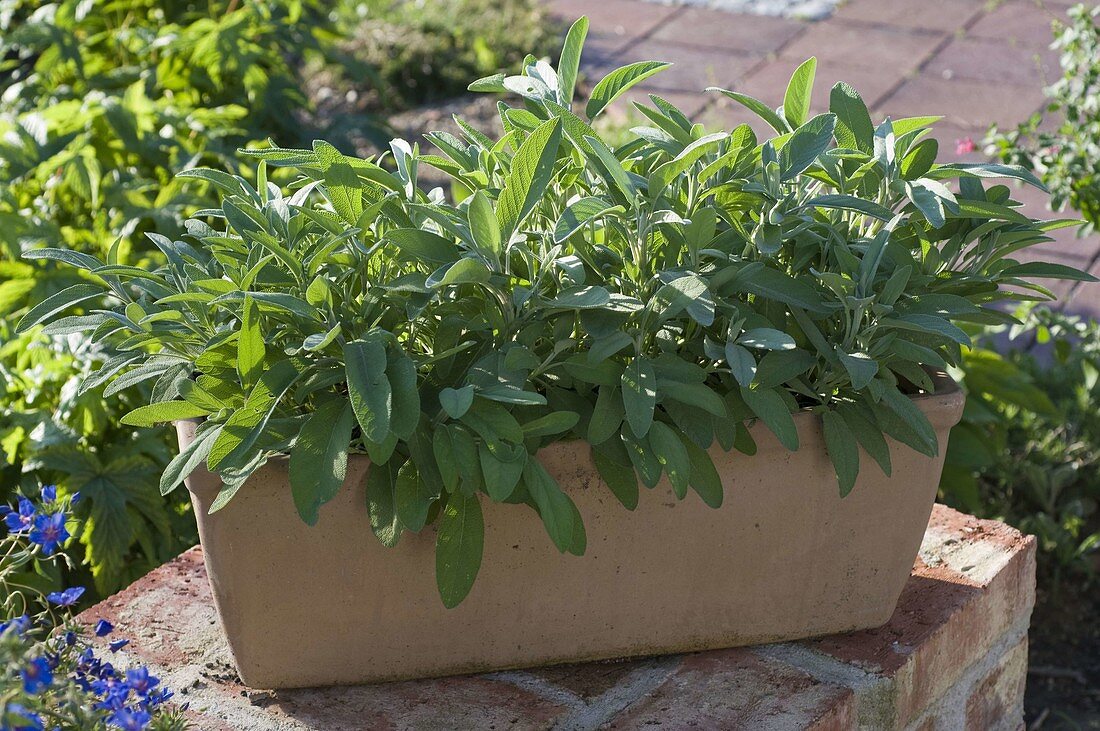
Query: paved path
[[973, 61]]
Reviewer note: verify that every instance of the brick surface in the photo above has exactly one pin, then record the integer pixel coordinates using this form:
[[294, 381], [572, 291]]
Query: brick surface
[[994, 702], [890, 50], [1019, 23], [769, 695], [626, 19], [701, 27], [995, 61], [693, 68], [937, 660], [966, 103], [974, 582], [769, 82], [943, 15]]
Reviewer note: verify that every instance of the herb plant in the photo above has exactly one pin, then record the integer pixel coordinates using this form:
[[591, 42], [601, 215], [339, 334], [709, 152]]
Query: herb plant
[[648, 299], [1066, 156]]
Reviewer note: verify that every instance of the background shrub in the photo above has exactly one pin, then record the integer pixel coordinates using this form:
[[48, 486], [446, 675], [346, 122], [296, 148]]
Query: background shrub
[[1066, 156], [1028, 448]]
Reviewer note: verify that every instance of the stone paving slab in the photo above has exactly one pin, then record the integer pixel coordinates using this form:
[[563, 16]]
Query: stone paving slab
[[952, 656], [975, 62]]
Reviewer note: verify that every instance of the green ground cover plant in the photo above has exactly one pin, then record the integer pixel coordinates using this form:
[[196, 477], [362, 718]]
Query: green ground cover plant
[[648, 299], [1028, 448], [1062, 144], [415, 52], [100, 104]]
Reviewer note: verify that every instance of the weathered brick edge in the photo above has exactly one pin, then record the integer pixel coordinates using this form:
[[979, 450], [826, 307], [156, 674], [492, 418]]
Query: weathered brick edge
[[953, 656]]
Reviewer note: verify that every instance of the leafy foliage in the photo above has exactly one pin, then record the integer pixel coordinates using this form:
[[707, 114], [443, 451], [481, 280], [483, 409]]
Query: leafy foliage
[[647, 298], [50, 676], [1028, 448], [408, 53], [100, 104], [51, 429], [1066, 156]]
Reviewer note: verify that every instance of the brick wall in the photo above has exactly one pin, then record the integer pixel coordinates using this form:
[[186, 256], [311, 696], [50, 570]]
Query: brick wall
[[953, 656]]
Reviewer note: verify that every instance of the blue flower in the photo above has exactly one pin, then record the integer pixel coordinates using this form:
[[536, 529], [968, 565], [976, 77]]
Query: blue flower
[[118, 645], [66, 598], [49, 493], [103, 628], [130, 720], [33, 720], [70, 638], [74, 498], [140, 681], [21, 520], [37, 675], [19, 624], [49, 532]]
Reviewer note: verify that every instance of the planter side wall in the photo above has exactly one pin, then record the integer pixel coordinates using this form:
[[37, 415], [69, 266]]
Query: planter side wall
[[783, 558]]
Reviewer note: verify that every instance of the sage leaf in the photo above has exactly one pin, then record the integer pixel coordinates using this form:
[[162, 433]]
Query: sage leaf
[[458, 548], [319, 459]]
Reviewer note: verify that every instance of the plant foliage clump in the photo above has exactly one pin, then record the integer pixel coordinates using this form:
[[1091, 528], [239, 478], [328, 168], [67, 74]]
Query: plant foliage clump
[[1066, 157], [647, 299], [1027, 450]]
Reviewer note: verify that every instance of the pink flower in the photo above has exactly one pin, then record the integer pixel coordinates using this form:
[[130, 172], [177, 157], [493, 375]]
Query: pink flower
[[965, 146]]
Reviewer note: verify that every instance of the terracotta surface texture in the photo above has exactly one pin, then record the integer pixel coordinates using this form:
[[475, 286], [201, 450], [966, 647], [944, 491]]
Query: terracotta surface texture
[[952, 656], [785, 557]]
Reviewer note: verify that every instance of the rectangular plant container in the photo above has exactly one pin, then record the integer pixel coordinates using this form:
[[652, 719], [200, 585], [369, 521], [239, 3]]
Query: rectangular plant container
[[785, 557]]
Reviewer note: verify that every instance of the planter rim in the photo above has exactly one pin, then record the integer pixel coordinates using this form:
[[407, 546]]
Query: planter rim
[[946, 387]]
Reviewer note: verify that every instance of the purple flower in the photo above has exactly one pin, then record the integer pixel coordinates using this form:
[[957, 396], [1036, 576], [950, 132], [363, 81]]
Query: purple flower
[[49, 493], [103, 628], [130, 720], [37, 675], [21, 520], [66, 598], [49, 532], [140, 681], [118, 645]]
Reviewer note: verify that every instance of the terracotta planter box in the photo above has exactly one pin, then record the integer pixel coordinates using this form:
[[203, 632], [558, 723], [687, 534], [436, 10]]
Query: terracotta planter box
[[784, 557]]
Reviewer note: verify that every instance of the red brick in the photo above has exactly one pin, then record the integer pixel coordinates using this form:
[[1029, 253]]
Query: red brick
[[944, 15], [701, 27], [769, 82], [997, 699], [995, 61], [769, 695], [628, 19], [970, 104], [891, 51], [981, 584], [693, 69], [1025, 23]]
